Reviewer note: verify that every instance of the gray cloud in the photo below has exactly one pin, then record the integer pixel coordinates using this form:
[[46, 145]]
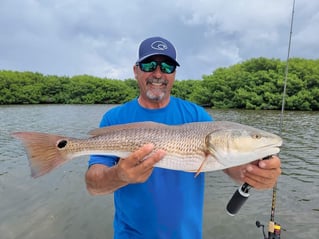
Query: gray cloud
[[99, 37]]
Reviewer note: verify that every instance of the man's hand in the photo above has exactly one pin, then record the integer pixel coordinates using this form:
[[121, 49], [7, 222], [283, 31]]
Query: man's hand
[[138, 166], [261, 174]]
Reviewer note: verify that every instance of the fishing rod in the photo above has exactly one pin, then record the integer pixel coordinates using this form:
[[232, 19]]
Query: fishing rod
[[242, 193]]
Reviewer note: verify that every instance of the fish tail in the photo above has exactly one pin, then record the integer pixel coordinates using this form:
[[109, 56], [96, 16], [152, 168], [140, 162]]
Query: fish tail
[[43, 152]]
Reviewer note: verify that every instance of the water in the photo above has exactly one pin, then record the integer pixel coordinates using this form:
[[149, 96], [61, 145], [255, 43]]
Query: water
[[58, 205]]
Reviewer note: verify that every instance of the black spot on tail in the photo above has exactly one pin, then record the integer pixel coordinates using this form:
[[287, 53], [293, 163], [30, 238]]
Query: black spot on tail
[[62, 143]]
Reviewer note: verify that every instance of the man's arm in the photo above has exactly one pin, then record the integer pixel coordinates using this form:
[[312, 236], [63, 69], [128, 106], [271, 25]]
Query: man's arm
[[136, 168], [261, 174]]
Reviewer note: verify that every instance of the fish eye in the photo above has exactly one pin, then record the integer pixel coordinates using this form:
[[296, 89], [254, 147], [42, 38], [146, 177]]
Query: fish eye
[[256, 136], [62, 143]]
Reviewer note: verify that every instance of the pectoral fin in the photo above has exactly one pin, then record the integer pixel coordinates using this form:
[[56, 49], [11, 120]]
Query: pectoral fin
[[199, 170]]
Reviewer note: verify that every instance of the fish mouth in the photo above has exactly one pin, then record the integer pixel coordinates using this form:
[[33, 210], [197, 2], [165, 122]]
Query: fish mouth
[[275, 150], [267, 151], [275, 145]]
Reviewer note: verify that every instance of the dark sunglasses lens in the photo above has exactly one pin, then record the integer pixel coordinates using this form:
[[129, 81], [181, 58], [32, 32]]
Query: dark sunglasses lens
[[151, 66], [148, 66], [167, 68]]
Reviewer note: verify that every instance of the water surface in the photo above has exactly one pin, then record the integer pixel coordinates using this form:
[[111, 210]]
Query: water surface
[[57, 205]]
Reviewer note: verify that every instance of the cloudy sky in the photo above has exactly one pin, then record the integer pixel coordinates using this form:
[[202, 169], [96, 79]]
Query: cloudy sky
[[100, 37]]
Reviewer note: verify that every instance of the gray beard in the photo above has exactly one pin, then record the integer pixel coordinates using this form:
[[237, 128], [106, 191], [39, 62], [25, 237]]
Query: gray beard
[[153, 97], [160, 92]]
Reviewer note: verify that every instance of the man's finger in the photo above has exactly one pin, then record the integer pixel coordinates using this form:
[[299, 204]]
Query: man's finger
[[138, 156], [271, 163], [151, 160]]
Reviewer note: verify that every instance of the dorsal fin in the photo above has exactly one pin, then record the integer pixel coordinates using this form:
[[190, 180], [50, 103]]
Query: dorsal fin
[[109, 129]]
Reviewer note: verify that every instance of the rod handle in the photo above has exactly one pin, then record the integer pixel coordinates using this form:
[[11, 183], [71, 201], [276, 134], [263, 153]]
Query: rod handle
[[238, 199]]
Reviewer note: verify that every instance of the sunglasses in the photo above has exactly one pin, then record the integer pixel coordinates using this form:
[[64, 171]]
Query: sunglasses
[[151, 66]]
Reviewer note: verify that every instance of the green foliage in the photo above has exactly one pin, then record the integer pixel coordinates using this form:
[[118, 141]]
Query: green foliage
[[253, 84], [184, 88], [34, 88], [258, 84]]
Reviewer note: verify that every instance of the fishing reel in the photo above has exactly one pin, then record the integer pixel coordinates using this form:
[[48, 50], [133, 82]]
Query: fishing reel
[[274, 230], [240, 197]]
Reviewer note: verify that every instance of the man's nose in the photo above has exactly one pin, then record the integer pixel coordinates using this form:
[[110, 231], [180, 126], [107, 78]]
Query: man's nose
[[158, 73]]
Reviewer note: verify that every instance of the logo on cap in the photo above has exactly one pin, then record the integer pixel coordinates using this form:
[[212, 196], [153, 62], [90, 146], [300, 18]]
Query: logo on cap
[[159, 45]]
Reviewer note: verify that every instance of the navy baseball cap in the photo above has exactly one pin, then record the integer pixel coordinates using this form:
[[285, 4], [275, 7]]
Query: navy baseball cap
[[156, 46]]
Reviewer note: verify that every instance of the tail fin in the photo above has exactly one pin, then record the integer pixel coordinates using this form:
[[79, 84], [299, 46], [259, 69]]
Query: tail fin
[[42, 151]]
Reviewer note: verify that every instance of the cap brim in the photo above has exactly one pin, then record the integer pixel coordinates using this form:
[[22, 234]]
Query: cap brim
[[156, 54]]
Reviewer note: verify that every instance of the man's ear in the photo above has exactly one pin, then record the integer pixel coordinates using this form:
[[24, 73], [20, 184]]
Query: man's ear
[[135, 71]]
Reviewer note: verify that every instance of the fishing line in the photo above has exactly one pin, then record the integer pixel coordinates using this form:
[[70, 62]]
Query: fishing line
[[274, 229], [241, 195]]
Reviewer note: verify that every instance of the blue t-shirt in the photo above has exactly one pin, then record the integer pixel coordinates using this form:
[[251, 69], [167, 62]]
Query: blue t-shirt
[[170, 203]]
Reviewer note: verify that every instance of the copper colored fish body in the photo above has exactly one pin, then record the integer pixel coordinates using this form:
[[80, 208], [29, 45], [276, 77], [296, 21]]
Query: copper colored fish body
[[192, 147]]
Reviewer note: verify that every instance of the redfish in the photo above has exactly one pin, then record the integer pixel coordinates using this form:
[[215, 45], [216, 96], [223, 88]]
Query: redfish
[[192, 147]]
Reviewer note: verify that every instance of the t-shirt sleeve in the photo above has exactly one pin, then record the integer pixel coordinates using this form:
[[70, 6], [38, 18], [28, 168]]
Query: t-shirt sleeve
[[107, 160], [203, 115]]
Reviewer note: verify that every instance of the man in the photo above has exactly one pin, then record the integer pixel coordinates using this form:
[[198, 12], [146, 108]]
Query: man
[[154, 202]]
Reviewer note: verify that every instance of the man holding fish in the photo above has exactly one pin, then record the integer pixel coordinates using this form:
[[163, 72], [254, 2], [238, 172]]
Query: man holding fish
[[154, 202], [157, 148]]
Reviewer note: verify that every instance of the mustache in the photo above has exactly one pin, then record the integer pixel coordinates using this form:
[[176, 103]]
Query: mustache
[[157, 81]]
